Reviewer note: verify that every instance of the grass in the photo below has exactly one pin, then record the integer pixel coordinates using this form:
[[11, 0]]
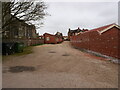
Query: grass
[[27, 50], [37, 44]]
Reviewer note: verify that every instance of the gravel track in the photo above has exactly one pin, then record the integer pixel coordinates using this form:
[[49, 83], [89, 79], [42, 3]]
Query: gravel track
[[60, 66]]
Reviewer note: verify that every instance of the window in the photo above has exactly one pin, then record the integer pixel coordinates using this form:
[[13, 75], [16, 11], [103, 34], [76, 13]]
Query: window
[[47, 38]]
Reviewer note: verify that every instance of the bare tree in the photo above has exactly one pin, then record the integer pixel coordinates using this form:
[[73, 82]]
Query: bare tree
[[27, 11]]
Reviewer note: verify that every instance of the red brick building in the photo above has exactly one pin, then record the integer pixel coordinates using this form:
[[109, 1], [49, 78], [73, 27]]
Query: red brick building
[[104, 40], [75, 32], [52, 39], [59, 37]]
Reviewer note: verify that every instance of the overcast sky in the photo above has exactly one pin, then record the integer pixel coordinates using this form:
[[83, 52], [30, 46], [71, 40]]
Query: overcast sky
[[88, 15]]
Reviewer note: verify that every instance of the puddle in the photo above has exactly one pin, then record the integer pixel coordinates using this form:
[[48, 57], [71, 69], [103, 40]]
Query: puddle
[[17, 69], [4, 71], [52, 52], [65, 55]]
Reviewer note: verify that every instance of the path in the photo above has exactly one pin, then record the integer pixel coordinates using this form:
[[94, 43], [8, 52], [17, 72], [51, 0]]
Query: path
[[59, 66]]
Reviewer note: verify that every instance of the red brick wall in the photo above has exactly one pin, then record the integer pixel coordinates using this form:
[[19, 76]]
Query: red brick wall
[[106, 43], [52, 39], [27, 42], [60, 39], [35, 41]]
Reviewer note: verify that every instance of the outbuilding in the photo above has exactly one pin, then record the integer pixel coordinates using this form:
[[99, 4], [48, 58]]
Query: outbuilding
[[50, 39]]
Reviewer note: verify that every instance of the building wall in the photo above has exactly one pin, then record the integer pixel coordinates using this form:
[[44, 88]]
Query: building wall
[[107, 43], [20, 31], [27, 42], [50, 39], [5, 18]]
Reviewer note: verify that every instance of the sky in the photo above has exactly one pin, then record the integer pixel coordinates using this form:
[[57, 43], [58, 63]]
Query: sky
[[87, 15]]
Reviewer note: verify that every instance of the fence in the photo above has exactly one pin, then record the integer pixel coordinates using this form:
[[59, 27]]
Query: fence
[[107, 43]]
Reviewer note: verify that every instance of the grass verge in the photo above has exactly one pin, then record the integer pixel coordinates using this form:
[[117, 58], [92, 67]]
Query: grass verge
[[38, 44], [27, 50]]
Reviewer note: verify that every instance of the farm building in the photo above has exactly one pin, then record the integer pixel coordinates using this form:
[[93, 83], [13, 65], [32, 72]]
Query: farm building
[[104, 40], [52, 39]]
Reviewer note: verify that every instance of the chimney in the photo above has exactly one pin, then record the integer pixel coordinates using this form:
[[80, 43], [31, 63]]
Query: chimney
[[69, 29], [85, 29]]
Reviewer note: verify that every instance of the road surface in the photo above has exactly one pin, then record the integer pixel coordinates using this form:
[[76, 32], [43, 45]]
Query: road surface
[[58, 66]]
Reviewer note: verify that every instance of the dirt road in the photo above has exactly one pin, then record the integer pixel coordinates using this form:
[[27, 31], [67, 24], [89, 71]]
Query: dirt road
[[59, 66]]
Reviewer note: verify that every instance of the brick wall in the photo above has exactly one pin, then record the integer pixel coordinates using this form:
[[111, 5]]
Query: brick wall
[[27, 42], [106, 43], [52, 39], [49, 39]]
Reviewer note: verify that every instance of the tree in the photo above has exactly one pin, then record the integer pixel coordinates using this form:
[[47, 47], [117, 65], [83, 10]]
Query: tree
[[27, 11]]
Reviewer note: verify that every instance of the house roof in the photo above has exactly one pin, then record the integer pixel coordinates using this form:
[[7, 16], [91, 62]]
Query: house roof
[[78, 30], [49, 34], [75, 31], [58, 34], [104, 28]]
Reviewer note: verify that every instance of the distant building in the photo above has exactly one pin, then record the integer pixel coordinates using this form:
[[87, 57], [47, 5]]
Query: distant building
[[59, 34], [49, 38], [65, 38], [41, 37], [60, 37], [75, 32], [53, 39]]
